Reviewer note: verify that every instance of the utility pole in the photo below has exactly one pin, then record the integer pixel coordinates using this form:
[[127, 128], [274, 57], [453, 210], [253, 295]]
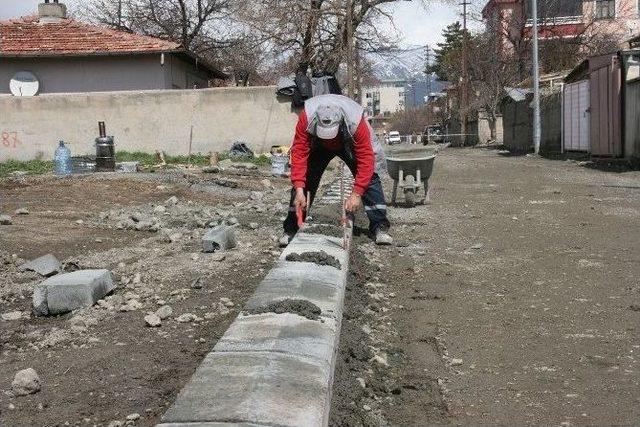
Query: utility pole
[[536, 79], [464, 89], [429, 89]]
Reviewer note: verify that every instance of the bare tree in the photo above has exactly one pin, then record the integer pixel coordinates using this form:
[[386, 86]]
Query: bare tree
[[313, 34], [198, 25], [559, 49], [411, 121]]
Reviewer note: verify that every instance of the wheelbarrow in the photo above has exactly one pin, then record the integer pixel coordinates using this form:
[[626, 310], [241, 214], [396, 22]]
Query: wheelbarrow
[[410, 170]]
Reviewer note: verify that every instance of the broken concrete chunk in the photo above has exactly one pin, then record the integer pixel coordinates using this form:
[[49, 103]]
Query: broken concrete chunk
[[153, 320], [66, 292], [221, 238], [22, 211], [5, 220], [172, 201], [25, 382], [164, 312], [47, 265], [11, 316]]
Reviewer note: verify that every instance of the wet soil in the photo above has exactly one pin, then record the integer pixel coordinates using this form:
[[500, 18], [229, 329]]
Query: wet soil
[[375, 380], [296, 306], [327, 230], [320, 258]]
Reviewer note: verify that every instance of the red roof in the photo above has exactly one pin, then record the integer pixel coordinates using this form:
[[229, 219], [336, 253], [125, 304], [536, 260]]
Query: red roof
[[27, 37]]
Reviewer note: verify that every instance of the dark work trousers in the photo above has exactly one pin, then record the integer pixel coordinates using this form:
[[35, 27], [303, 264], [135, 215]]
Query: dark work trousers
[[373, 199]]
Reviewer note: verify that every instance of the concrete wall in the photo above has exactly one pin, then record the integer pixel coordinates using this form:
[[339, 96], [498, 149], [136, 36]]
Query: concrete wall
[[90, 74], [182, 75], [518, 124], [104, 73], [145, 121], [484, 129]]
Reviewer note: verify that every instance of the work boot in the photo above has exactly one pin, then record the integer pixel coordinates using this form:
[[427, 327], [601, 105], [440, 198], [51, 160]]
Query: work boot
[[383, 238], [285, 240]]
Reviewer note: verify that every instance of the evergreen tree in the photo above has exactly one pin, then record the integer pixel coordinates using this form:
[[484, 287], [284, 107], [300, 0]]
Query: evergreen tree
[[447, 52]]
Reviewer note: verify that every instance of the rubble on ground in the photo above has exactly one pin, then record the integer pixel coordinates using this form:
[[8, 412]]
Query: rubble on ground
[[47, 265], [25, 382], [219, 238]]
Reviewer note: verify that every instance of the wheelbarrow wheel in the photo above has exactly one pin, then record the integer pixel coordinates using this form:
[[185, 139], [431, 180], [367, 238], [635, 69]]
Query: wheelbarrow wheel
[[410, 193]]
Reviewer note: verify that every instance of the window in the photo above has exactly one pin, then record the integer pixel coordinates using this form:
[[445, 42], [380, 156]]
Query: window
[[554, 9], [605, 9]]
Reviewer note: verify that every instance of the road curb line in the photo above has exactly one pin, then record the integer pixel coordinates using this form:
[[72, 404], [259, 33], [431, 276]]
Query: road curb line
[[274, 369]]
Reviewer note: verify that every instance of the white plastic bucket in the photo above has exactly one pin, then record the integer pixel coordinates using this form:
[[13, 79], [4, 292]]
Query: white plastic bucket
[[279, 163]]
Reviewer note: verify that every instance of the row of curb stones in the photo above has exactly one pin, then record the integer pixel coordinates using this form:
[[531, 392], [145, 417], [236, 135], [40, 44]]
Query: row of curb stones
[[273, 369]]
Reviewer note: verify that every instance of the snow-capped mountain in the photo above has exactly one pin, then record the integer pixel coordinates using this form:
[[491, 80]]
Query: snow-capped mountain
[[407, 64]]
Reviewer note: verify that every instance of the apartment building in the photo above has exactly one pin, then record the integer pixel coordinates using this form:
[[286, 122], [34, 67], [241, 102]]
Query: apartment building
[[511, 19], [386, 98]]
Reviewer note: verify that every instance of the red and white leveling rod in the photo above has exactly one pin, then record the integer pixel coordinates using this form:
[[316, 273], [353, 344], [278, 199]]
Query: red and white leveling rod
[[302, 214]]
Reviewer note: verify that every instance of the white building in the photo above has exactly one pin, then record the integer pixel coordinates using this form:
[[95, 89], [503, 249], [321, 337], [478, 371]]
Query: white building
[[386, 98]]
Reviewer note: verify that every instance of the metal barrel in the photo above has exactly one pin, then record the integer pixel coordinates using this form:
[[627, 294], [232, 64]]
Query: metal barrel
[[105, 154]]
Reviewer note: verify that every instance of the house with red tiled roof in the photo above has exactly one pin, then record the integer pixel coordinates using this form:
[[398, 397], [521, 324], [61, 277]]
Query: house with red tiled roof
[[66, 55]]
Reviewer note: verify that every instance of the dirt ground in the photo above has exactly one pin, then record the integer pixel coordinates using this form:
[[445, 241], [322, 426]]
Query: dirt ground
[[512, 299], [99, 365]]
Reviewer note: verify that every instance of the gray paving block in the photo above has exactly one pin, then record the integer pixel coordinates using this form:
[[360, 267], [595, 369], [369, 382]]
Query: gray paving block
[[66, 292], [281, 333], [261, 388], [220, 238], [322, 285], [47, 265]]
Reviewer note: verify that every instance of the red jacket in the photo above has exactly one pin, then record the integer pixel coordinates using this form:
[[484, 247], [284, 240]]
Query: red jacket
[[362, 151]]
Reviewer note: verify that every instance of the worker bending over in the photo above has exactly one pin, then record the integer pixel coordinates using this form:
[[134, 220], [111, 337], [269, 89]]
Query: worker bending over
[[329, 126]]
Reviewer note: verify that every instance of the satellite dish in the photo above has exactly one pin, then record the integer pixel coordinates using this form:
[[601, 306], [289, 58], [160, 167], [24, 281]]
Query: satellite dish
[[24, 83]]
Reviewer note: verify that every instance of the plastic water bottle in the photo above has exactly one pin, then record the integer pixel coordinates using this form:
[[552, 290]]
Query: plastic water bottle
[[62, 160]]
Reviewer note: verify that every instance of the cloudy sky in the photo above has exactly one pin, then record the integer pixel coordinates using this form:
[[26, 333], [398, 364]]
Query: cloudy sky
[[417, 25]]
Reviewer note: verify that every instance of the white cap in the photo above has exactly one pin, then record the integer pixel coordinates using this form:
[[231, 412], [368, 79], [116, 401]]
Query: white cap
[[329, 118]]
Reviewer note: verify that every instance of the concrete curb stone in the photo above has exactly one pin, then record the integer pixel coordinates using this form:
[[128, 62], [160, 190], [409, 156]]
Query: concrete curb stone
[[320, 285], [66, 292], [273, 369]]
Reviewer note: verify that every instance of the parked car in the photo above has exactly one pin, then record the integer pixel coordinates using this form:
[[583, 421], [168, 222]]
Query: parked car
[[394, 138], [433, 133]]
